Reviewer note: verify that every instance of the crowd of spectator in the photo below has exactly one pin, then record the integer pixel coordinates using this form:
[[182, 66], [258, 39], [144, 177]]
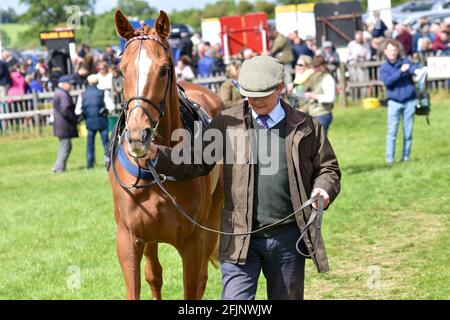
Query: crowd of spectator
[[198, 58]]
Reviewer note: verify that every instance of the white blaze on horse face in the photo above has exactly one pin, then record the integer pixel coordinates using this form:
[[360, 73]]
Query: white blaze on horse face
[[143, 64]]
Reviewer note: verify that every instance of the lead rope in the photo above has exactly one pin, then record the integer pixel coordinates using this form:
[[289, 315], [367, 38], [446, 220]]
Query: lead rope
[[316, 215]]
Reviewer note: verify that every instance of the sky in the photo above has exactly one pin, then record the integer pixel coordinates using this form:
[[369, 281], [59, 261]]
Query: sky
[[105, 5]]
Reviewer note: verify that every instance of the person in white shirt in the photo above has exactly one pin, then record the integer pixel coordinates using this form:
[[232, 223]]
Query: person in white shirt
[[320, 90], [109, 104], [358, 51], [105, 79], [183, 69]]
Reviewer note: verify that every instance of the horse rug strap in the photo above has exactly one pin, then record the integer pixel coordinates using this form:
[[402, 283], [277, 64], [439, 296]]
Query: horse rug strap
[[191, 113]]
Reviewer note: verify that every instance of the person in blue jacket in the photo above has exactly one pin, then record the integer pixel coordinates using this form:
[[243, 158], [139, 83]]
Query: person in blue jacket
[[95, 113], [397, 75]]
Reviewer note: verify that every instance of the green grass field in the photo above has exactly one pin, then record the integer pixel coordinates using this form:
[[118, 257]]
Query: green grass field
[[390, 224]]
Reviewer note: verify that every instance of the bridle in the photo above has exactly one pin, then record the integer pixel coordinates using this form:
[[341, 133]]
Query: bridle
[[161, 108]]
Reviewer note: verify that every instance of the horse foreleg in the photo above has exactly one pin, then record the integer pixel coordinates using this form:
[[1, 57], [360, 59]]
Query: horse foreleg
[[153, 269], [193, 265], [130, 255]]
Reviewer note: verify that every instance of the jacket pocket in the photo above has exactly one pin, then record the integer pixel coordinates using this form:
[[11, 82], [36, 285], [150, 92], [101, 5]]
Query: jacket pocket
[[227, 225]]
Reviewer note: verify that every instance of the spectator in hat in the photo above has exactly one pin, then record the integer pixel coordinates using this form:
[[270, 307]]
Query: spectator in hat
[[282, 50], [229, 90], [65, 121], [330, 55], [320, 92], [257, 194], [94, 112]]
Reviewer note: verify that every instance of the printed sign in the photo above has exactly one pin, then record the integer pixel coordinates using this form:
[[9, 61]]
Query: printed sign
[[438, 68], [56, 35]]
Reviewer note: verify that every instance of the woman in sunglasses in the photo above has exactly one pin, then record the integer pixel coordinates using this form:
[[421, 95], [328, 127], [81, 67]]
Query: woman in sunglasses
[[303, 71]]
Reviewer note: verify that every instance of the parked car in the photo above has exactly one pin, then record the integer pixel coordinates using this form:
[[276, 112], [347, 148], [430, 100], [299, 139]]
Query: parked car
[[414, 21], [175, 34], [413, 9]]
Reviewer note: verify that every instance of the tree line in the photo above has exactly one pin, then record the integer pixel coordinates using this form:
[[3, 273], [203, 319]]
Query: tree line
[[98, 29]]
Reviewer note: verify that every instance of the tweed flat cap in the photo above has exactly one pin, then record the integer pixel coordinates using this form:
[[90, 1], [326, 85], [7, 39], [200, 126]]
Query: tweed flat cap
[[260, 76]]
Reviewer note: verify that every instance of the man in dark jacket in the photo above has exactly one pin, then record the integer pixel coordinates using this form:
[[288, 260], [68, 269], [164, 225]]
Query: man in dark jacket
[[294, 161], [397, 73], [95, 113], [65, 121]]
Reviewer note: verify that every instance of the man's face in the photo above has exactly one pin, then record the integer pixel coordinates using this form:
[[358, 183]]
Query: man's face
[[391, 52], [265, 105]]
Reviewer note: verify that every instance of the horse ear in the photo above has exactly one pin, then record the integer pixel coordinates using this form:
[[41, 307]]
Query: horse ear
[[162, 25], [123, 27]]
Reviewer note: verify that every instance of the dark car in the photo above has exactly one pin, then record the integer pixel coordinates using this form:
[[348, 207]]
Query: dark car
[[175, 34]]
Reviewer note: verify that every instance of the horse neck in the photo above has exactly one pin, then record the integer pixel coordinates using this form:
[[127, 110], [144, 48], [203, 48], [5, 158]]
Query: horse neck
[[171, 120]]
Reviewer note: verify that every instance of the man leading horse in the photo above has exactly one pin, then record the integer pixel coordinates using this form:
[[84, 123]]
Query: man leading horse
[[256, 197]]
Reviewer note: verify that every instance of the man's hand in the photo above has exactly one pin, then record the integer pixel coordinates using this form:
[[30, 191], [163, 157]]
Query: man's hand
[[324, 194], [404, 67]]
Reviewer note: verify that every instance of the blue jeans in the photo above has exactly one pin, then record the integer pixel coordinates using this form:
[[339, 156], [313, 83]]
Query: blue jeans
[[397, 110], [325, 120], [91, 145], [282, 265]]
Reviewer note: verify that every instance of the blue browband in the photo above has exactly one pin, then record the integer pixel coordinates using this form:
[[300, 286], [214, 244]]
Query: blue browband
[[132, 168]]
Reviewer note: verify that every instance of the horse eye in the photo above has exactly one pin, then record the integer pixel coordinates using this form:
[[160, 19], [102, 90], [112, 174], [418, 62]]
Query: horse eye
[[163, 72]]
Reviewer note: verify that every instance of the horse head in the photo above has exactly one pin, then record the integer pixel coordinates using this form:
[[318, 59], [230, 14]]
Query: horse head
[[148, 71]]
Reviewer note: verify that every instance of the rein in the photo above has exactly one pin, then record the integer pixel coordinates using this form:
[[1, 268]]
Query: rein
[[315, 218], [159, 179]]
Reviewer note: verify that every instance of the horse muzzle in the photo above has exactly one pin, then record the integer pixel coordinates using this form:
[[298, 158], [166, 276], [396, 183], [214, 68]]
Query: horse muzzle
[[139, 142]]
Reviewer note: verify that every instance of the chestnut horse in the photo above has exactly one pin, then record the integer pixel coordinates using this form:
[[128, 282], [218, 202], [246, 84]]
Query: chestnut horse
[[144, 217]]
